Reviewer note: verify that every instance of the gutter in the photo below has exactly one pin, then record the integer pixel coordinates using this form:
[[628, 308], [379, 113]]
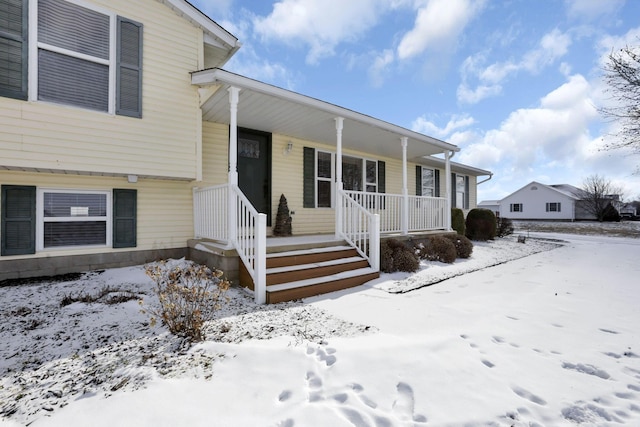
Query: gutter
[[485, 180]]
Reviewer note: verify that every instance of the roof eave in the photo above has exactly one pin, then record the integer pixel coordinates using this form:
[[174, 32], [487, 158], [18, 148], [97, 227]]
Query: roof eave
[[220, 76]]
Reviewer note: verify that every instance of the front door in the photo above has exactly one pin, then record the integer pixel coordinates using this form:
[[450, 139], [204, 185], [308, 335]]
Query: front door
[[254, 169]]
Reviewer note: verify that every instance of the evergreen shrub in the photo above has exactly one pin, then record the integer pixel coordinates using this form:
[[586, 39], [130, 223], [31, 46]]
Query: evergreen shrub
[[457, 220], [481, 224]]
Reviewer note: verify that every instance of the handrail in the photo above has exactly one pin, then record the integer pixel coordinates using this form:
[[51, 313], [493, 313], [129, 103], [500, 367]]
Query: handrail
[[251, 242], [247, 233], [360, 228]]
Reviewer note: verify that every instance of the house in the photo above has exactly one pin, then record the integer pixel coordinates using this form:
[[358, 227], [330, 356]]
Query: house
[[537, 201], [124, 141]]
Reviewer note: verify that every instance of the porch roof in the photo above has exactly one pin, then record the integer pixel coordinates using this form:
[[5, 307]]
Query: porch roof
[[272, 109]]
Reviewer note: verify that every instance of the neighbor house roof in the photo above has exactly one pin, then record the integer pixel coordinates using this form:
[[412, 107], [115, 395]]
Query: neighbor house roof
[[273, 109]]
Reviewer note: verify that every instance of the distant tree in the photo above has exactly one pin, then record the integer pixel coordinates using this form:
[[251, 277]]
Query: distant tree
[[598, 193], [622, 76]]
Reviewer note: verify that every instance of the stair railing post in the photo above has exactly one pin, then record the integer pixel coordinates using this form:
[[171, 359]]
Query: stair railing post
[[260, 285], [374, 242]]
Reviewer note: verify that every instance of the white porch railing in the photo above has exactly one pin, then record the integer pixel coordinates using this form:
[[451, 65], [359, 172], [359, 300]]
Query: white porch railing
[[424, 213], [427, 213], [210, 213], [359, 227], [247, 234]]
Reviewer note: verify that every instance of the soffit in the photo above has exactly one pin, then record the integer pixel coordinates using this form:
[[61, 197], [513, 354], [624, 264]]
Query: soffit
[[270, 109]]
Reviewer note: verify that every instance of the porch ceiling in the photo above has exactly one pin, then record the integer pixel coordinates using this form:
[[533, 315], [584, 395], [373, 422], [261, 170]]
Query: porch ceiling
[[271, 109]]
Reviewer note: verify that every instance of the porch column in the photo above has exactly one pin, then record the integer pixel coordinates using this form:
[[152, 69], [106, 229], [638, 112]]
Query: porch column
[[339, 184], [232, 207], [405, 192], [447, 171], [233, 134]]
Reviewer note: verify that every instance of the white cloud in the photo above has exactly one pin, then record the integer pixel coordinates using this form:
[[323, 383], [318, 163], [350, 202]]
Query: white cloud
[[555, 131], [380, 67], [592, 9], [437, 26], [422, 125], [319, 24], [551, 47]]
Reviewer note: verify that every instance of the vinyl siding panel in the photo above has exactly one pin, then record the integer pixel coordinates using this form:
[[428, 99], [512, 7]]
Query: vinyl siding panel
[[164, 208], [162, 143]]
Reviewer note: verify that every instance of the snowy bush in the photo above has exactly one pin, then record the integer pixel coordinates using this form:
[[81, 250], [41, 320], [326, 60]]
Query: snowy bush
[[396, 256], [462, 244], [437, 248], [189, 295]]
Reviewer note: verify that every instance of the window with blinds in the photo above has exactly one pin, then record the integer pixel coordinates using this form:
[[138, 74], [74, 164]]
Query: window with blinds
[[74, 218]]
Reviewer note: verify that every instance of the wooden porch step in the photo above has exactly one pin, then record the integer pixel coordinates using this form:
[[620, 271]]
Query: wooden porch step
[[319, 285], [294, 273], [309, 256]]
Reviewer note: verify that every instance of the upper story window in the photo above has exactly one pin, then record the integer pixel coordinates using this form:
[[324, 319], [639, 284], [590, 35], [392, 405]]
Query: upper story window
[[77, 55]]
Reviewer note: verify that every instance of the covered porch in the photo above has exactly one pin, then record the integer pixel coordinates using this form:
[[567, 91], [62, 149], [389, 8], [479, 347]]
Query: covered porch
[[362, 213]]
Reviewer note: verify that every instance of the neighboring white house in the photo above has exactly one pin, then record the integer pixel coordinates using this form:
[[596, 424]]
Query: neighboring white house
[[538, 201]]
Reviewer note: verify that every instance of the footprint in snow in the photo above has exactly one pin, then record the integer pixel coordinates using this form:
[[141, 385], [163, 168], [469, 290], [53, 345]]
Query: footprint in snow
[[587, 369], [525, 394], [404, 404]]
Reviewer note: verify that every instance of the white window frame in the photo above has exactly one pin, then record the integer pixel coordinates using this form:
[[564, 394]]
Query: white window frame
[[363, 168], [331, 179], [433, 181], [40, 218], [34, 45], [520, 207]]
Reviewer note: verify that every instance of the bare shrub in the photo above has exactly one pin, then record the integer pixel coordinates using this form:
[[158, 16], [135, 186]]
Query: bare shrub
[[504, 227], [189, 296], [463, 245]]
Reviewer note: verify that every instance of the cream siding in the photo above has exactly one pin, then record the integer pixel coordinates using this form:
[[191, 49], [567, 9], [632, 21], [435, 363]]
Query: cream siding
[[163, 143], [164, 208]]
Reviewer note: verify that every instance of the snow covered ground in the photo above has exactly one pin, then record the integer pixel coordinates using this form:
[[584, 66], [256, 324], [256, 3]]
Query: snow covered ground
[[549, 339]]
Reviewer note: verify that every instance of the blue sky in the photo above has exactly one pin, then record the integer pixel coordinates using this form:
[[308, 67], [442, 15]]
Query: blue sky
[[515, 84]]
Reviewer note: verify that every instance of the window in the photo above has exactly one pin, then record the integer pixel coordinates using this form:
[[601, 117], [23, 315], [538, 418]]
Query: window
[[69, 218], [78, 56], [515, 207], [14, 48], [428, 182], [459, 191], [319, 177], [324, 168], [553, 207]]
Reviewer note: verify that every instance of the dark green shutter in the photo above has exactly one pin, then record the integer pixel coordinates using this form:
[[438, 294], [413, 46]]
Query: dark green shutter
[[18, 220], [436, 181], [14, 48], [308, 178], [124, 218], [466, 192], [382, 186], [129, 68], [418, 180]]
